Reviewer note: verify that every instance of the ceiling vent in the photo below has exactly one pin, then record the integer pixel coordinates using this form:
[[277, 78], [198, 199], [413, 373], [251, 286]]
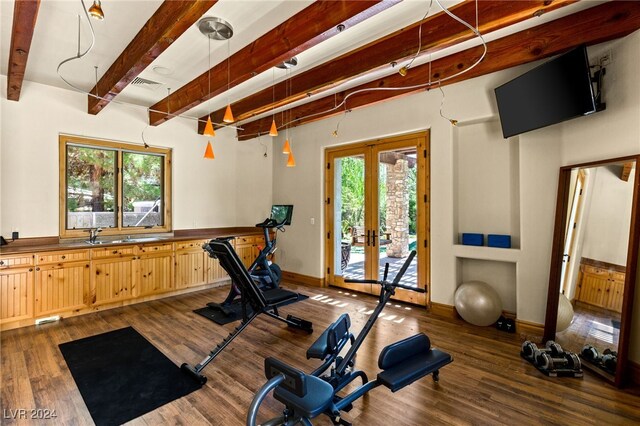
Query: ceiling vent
[[147, 84]]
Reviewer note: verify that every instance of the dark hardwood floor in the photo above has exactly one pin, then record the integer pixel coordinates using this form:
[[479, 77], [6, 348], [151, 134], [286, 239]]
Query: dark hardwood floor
[[488, 382]]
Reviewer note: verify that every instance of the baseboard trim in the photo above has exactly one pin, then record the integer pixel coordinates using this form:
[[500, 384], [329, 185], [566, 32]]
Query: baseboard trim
[[530, 330], [444, 311], [302, 279]]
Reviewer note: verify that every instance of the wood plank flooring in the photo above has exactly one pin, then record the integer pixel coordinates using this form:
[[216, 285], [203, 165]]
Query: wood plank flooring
[[488, 382]]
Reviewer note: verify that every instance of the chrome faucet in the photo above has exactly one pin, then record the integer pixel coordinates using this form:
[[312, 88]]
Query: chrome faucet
[[93, 234]]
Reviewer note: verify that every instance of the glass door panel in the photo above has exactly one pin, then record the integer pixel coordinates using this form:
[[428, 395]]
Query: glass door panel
[[348, 208]]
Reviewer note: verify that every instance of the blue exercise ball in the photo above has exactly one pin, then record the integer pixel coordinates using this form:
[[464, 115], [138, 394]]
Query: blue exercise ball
[[478, 303]]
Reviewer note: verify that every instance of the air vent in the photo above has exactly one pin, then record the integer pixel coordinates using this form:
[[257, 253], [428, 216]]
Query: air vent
[[147, 84]]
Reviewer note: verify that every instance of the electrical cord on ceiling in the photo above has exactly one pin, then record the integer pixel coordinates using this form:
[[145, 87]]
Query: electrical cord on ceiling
[[408, 66], [416, 86], [118, 102]]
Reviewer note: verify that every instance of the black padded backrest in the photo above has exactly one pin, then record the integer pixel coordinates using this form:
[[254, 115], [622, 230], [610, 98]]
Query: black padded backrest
[[231, 263], [397, 352], [338, 330], [295, 380]]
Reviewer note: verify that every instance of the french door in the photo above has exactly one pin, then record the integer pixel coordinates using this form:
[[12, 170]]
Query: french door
[[377, 212]]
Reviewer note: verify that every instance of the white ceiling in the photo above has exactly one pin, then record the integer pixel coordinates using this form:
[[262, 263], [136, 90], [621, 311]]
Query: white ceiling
[[55, 39]]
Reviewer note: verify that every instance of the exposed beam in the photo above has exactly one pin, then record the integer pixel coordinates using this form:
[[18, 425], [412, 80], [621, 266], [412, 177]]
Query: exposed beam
[[595, 25], [25, 14], [168, 23], [439, 31], [626, 171], [314, 24]]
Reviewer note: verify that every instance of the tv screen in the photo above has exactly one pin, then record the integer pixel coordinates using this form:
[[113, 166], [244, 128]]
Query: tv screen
[[282, 212], [550, 93]]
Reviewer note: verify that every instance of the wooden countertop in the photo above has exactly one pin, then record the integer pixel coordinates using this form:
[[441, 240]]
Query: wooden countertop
[[36, 245]]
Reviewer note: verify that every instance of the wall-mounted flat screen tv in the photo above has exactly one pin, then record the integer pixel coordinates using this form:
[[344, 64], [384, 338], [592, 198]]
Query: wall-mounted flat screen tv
[[282, 212], [555, 91]]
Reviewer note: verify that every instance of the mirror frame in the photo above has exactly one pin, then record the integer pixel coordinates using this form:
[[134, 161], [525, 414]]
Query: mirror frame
[[555, 269]]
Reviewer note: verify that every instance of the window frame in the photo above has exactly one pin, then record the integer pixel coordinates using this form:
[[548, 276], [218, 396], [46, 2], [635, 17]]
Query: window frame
[[120, 148]]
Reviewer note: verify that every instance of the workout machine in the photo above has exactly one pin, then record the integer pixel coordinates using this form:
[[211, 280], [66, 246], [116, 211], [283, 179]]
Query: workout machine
[[262, 270], [607, 360], [306, 396], [552, 360], [254, 302]]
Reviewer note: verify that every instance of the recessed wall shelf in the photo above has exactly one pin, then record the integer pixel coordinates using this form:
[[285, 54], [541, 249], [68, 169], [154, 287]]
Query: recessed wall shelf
[[487, 253]]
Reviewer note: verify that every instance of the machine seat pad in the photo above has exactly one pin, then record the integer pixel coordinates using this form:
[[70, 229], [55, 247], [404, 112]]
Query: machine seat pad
[[318, 398], [330, 338], [413, 368], [277, 296]]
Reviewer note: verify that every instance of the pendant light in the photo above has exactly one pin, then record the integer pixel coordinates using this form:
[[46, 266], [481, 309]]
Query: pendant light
[[208, 152], [96, 11], [228, 115], [291, 162], [286, 148]]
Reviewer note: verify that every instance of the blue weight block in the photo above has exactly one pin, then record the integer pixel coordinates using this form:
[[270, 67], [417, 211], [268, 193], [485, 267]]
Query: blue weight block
[[472, 239], [501, 241]]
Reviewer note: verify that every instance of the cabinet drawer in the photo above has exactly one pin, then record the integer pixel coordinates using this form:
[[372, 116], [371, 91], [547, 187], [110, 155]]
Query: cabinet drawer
[[595, 270], [245, 240], [618, 276], [113, 252], [190, 245], [18, 260], [155, 248], [62, 256]]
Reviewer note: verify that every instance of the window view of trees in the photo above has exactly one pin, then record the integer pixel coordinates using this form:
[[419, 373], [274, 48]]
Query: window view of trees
[[92, 184], [142, 189], [91, 187]]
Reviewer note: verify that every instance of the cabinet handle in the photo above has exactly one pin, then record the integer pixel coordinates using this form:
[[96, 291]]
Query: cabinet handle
[[1, 262], [115, 252], [30, 269], [64, 257], [37, 269]]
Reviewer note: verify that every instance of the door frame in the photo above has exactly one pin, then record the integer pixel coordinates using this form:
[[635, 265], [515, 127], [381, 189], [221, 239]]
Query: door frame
[[370, 150]]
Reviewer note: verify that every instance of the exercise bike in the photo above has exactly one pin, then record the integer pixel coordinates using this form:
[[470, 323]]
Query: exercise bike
[[306, 396], [264, 272]]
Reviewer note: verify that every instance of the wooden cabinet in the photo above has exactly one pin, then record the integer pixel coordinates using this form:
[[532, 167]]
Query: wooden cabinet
[[61, 287], [213, 272], [155, 273], [601, 287], [190, 260], [112, 279], [16, 294]]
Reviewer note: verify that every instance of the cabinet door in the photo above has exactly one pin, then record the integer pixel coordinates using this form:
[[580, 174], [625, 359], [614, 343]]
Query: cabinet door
[[16, 294], [61, 287], [247, 253], [155, 274], [189, 268], [213, 271], [614, 295], [112, 280], [593, 289]]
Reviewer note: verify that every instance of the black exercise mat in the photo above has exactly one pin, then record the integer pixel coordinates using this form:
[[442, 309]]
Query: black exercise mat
[[122, 376], [220, 318]]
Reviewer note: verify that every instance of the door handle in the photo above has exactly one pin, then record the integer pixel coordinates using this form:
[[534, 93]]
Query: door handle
[[368, 237], [374, 237]]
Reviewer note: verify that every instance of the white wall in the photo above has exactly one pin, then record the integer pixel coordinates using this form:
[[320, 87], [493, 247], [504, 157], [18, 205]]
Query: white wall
[[608, 134], [606, 236], [205, 193]]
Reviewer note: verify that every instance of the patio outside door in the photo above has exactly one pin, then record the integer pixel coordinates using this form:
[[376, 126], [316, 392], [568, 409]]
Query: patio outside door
[[377, 212]]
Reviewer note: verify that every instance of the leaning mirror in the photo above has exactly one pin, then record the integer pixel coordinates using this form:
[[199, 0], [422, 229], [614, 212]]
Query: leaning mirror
[[593, 265]]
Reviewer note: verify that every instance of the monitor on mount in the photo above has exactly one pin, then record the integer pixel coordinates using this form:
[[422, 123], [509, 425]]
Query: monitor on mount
[[280, 212]]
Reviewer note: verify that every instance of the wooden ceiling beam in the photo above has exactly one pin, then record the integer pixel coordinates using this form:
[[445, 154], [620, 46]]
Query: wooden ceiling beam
[[318, 22], [168, 23], [439, 31], [595, 25], [25, 14]]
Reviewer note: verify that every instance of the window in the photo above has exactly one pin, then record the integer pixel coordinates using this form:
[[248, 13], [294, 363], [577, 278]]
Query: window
[[118, 187]]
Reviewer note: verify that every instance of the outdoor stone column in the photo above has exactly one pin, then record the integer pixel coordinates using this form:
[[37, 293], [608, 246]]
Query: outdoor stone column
[[398, 209]]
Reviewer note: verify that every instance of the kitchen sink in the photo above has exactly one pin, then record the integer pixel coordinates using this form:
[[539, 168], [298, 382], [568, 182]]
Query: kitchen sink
[[126, 240]]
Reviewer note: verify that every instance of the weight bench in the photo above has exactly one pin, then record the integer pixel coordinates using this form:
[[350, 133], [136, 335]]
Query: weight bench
[[307, 396], [260, 302], [329, 344]]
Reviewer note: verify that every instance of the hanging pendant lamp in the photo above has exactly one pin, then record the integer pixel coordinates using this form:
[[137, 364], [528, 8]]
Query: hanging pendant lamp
[[286, 148], [96, 11], [291, 162], [208, 152], [228, 115], [274, 128], [208, 128]]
